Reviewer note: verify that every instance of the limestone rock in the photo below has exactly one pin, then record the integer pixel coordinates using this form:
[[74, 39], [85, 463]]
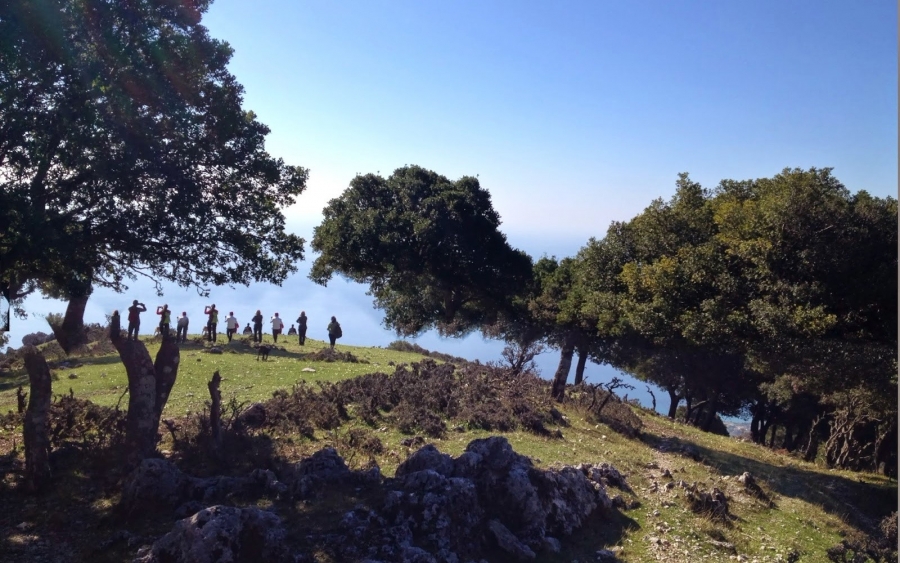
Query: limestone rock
[[221, 534]]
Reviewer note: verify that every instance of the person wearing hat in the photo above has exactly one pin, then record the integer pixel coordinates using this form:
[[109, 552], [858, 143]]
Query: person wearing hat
[[277, 325], [134, 318], [231, 325]]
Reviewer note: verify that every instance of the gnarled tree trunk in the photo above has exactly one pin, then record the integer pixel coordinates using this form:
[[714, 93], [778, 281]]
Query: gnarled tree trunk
[[215, 409], [579, 367], [558, 390], [70, 334], [674, 399], [37, 441], [149, 385]]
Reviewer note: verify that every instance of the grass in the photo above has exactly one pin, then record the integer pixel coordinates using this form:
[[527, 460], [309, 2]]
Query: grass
[[811, 508], [103, 380]]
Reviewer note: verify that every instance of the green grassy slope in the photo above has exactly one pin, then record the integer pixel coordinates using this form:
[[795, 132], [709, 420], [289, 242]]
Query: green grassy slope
[[811, 507]]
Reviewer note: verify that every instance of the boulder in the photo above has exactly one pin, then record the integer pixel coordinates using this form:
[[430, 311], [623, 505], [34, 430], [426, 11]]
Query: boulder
[[221, 534]]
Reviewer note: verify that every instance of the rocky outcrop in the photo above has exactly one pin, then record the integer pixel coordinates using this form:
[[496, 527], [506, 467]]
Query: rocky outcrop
[[437, 508], [158, 484], [488, 498], [221, 534]]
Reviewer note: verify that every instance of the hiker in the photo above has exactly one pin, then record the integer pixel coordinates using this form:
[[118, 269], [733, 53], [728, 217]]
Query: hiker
[[165, 317], [181, 328], [231, 325], [301, 328], [211, 322], [134, 318], [334, 331], [248, 330], [257, 326], [292, 331], [277, 326]]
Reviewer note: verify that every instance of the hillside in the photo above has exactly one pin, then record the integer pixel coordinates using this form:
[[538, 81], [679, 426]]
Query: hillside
[[797, 512]]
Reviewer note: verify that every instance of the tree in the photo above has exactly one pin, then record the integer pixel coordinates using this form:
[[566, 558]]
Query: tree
[[124, 151], [429, 249]]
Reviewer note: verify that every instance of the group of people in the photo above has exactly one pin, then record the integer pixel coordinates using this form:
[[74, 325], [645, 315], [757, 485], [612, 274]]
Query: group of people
[[231, 325]]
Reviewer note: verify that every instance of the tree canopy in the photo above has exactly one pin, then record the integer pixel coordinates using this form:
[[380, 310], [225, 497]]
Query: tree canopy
[[124, 151], [429, 248]]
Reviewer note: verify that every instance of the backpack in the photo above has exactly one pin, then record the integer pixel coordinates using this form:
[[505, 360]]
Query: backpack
[[337, 331]]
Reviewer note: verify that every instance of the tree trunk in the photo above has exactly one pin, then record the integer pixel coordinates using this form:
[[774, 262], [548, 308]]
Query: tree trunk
[[37, 441], [579, 367], [20, 400], [788, 442], [70, 334], [215, 409], [166, 369], [709, 414], [674, 399], [149, 385], [558, 391]]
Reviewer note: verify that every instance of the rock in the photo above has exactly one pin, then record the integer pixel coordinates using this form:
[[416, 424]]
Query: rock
[[427, 457], [725, 546], [552, 545], [324, 466], [666, 474], [215, 350], [606, 556], [253, 416], [155, 483], [509, 542], [747, 479], [73, 376], [221, 533], [308, 370]]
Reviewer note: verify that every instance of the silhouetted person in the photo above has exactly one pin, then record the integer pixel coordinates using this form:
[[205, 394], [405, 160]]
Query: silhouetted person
[[231, 325], [248, 330], [134, 318], [334, 331], [165, 318], [292, 331], [212, 322], [277, 327], [257, 326], [182, 327], [301, 328]]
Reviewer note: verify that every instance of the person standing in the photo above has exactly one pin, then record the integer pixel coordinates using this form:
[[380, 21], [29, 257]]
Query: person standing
[[165, 318], [181, 328], [134, 318], [231, 325], [301, 328], [277, 326], [334, 331], [257, 326], [212, 322]]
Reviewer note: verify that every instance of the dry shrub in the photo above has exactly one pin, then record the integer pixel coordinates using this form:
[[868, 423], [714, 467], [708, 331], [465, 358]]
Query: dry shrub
[[81, 422], [606, 407], [421, 397]]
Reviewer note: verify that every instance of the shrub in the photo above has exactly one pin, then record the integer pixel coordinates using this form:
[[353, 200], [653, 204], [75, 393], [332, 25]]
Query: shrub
[[37, 338]]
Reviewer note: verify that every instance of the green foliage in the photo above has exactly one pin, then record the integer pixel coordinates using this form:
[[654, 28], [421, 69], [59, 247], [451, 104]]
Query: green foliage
[[126, 151], [428, 248]]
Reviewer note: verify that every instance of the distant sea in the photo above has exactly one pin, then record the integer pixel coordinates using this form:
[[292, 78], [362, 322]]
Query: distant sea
[[361, 323]]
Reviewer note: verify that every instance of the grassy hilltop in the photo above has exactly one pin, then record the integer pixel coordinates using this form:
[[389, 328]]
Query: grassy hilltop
[[801, 511]]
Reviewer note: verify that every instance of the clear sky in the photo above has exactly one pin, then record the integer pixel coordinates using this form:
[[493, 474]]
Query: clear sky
[[573, 114]]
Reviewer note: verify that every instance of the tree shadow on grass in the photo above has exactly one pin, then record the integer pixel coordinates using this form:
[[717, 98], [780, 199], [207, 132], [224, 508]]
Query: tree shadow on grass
[[858, 503]]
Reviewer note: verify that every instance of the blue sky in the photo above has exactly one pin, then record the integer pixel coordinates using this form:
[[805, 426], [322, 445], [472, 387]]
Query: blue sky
[[573, 114]]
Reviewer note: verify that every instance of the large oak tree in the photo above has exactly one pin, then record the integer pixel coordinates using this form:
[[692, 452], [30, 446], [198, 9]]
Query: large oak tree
[[429, 248], [124, 150]]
